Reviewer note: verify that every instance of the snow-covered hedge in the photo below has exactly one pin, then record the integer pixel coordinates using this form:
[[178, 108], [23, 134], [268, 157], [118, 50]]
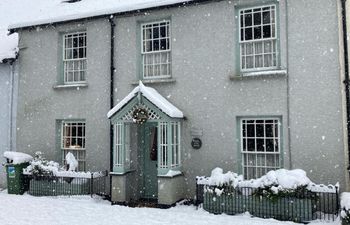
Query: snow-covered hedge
[[42, 167], [276, 181]]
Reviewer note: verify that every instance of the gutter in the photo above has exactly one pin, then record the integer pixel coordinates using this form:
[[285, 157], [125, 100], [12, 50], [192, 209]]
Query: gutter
[[112, 68], [346, 71], [123, 13], [12, 78]]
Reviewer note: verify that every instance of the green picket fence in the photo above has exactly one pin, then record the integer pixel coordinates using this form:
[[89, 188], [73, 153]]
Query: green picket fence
[[301, 207], [55, 186]]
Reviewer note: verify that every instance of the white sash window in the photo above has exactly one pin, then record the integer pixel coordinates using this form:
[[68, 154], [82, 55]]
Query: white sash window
[[257, 38]]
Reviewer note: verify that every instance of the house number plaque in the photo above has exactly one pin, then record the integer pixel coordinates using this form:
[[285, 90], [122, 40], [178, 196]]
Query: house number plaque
[[196, 143]]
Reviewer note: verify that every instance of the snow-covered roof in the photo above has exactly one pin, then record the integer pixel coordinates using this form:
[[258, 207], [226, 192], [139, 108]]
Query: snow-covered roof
[[153, 96], [17, 157], [46, 12], [24, 13]]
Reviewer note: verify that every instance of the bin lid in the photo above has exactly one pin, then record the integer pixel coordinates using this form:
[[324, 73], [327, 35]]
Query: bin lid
[[17, 157]]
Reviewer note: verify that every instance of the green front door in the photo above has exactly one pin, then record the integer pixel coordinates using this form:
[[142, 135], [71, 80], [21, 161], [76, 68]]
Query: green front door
[[150, 180]]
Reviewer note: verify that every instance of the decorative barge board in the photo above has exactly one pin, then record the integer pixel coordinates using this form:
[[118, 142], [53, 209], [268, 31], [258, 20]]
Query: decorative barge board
[[146, 149]]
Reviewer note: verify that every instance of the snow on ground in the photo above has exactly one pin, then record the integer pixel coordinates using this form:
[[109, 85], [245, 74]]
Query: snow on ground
[[29, 210]]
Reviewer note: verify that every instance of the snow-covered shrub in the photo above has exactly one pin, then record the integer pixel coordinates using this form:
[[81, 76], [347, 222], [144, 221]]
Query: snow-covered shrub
[[274, 185], [41, 166], [345, 207]]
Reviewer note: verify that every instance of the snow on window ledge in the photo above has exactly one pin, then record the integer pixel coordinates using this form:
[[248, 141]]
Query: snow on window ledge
[[77, 85], [258, 74], [152, 81], [171, 174], [121, 173]]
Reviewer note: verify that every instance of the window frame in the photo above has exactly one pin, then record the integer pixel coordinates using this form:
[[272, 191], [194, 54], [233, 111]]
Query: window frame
[[65, 60], [168, 162], [274, 47], [168, 51], [278, 162], [82, 150]]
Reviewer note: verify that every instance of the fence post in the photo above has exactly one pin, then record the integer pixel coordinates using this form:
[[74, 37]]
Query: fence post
[[337, 199], [196, 193], [91, 184]]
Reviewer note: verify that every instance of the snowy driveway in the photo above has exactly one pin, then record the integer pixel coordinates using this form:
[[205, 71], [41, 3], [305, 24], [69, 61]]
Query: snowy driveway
[[28, 210]]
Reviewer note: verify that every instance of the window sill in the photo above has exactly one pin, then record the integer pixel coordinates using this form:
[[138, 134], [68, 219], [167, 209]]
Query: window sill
[[155, 81], [64, 86], [121, 173], [171, 174], [268, 73]]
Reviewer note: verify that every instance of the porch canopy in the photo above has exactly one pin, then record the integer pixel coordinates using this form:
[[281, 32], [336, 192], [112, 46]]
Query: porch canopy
[[151, 95], [143, 107]]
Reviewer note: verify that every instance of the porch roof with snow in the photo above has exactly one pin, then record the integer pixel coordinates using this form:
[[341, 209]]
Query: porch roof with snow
[[151, 95]]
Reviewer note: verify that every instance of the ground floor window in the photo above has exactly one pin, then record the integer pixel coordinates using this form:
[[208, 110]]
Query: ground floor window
[[73, 140], [260, 146]]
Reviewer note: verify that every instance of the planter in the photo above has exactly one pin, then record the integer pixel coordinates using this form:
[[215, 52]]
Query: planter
[[285, 208]]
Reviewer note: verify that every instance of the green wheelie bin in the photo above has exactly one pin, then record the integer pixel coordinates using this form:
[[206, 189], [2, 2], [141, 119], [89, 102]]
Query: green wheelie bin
[[17, 183]]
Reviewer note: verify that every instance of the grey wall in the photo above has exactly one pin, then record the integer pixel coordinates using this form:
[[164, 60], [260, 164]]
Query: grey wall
[[315, 102], [41, 105], [204, 55]]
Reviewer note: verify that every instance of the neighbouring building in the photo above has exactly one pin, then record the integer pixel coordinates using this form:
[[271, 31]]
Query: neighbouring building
[[246, 85], [8, 96]]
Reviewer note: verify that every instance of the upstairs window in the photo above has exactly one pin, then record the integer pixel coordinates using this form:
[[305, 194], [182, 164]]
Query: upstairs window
[[156, 50], [258, 41], [74, 57]]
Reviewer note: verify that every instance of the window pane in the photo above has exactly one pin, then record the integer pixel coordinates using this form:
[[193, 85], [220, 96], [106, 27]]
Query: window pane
[[249, 48], [156, 32], [248, 35], [163, 44], [251, 144], [248, 20], [270, 145], [259, 61], [260, 147], [257, 18], [251, 130], [267, 31], [269, 130], [266, 17], [156, 45], [257, 32], [260, 130]]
